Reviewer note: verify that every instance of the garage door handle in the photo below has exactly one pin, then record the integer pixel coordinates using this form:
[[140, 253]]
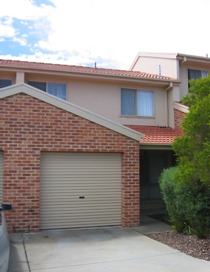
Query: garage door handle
[[81, 197]]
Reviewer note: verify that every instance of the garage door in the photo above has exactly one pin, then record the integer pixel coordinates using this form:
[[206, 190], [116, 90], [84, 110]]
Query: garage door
[[1, 177], [80, 190]]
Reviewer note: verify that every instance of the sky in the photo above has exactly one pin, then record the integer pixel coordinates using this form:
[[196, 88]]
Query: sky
[[108, 32]]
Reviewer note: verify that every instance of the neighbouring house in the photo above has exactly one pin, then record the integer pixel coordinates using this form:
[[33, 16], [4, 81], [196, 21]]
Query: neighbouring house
[[182, 67], [83, 146]]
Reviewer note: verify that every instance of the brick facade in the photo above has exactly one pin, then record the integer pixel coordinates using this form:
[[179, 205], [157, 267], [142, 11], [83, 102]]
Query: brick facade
[[178, 118], [29, 126]]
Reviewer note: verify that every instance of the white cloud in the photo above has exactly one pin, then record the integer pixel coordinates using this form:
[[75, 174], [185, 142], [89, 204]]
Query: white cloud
[[24, 9], [6, 31], [81, 31], [117, 30]]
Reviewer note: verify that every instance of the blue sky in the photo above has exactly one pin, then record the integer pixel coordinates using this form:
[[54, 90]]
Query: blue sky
[[109, 32]]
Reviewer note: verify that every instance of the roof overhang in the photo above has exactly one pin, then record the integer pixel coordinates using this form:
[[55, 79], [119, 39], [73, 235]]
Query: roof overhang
[[194, 60], [96, 77], [69, 107]]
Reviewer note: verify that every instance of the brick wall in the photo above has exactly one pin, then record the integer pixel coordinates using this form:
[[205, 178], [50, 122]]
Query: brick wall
[[178, 118], [28, 127]]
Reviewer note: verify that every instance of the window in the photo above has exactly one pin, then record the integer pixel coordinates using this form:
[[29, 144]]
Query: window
[[5, 83], [56, 89], [137, 102], [196, 74]]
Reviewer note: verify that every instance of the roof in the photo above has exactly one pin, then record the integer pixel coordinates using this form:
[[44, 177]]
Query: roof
[[73, 69], [157, 135], [193, 57], [69, 107]]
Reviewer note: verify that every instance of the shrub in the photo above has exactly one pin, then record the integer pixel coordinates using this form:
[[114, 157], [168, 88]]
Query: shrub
[[187, 203], [186, 188], [168, 186]]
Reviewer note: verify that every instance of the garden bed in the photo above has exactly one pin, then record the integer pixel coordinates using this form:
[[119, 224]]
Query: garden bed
[[189, 244]]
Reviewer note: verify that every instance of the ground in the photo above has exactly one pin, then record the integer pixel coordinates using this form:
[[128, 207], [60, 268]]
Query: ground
[[103, 249], [190, 244]]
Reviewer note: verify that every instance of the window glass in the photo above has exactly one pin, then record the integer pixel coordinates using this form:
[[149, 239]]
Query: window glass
[[57, 89], [38, 85], [196, 74], [134, 102], [5, 83], [128, 102], [145, 103]]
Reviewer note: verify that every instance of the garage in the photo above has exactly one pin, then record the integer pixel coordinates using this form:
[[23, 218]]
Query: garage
[[1, 177], [80, 190], [65, 166]]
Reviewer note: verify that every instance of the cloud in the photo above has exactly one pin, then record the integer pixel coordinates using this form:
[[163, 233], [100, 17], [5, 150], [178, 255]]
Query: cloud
[[24, 9], [117, 30], [23, 21], [110, 32]]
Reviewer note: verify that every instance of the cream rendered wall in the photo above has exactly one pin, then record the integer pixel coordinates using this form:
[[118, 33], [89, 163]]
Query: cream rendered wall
[[8, 75], [105, 99], [173, 95], [20, 77], [169, 66], [183, 77]]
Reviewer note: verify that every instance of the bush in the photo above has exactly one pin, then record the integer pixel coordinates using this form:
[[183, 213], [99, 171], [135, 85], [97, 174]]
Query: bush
[[186, 188], [168, 186], [187, 203]]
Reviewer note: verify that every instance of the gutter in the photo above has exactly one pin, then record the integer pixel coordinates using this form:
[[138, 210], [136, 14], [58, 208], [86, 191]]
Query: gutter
[[91, 76], [187, 58]]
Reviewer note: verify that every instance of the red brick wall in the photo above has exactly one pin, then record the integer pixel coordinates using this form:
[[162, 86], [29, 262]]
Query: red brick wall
[[178, 118], [28, 127]]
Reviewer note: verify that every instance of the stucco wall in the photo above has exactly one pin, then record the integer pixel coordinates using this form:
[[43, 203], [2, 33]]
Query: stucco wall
[[8, 75], [169, 66], [105, 99]]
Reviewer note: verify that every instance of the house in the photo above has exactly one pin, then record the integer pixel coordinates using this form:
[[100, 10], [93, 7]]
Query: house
[[83, 146], [182, 67]]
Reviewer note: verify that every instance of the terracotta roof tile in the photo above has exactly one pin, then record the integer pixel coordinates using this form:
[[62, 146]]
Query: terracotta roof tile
[[80, 70], [157, 135]]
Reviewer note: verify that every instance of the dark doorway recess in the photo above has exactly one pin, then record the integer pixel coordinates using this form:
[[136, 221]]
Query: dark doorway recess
[[152, 163]]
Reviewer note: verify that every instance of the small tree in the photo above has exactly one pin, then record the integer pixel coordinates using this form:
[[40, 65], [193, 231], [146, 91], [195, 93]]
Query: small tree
[[193, 149], [186, 189]]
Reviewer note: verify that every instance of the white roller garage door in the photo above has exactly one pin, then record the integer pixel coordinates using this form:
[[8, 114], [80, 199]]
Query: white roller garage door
[[1, 177], [80, 190]]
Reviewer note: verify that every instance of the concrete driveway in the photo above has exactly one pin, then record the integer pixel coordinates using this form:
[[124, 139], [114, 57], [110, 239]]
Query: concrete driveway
[[98, 250]]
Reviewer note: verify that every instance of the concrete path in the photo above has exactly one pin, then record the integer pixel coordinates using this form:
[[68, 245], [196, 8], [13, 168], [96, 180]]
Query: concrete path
[[98, 250]]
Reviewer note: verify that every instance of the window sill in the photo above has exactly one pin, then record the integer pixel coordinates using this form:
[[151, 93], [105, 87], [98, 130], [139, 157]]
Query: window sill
[[137, 116]]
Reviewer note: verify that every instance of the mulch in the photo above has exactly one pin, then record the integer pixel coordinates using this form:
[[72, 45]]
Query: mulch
[[189, 244]]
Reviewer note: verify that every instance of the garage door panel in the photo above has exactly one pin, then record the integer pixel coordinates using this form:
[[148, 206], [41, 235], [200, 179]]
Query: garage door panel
[[66, 176]]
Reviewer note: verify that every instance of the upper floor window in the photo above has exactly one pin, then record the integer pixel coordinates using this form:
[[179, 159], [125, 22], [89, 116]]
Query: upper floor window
[[196, 74], [137, 102], [56, 89], [5, 83]]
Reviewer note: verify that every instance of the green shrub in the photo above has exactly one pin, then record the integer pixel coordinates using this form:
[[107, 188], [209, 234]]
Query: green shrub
[[187, 203], [168, 186], [186, 188]]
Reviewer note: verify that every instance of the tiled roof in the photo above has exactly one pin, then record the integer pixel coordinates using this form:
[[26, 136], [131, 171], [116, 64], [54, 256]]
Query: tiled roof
[[157, 135], [80, 70]]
